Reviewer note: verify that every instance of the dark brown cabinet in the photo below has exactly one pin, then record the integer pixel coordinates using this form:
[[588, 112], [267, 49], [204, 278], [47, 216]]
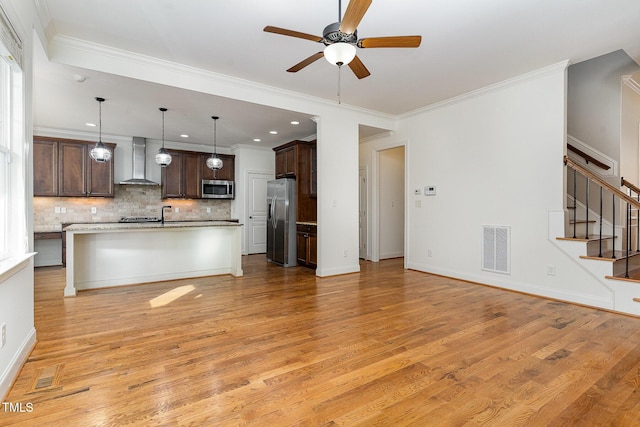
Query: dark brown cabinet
[[297, 159], [313, 176], [68, 171], [45, 170], [307, 244], [227, 172], [294, 160], [286, 161], [183, 177]]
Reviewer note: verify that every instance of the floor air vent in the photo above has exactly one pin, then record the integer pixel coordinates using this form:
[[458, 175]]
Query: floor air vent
[[496, 242]]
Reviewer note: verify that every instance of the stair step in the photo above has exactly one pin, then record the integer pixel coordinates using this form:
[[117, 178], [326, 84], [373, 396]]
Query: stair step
[[582, 221], [590, 238], [611, 256], [634, 276]]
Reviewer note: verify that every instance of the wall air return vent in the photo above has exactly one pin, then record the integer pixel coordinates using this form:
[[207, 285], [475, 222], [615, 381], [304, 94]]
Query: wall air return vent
[[496, 248]]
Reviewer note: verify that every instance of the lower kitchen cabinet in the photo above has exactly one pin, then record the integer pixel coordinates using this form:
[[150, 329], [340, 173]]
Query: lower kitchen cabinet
[[307, 244]]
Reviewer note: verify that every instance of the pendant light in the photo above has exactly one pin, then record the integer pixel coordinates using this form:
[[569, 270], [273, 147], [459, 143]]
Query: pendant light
[[100, 153], [214, 162], [163, 158]]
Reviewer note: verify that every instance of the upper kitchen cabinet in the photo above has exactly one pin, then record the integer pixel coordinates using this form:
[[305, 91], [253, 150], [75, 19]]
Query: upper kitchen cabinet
[[183, 177], [226, 173], [45, 172], [68, 171], [295, 159], [286, 163]]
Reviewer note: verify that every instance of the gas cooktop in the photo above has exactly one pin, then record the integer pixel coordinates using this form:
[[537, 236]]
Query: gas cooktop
[[139, 219]]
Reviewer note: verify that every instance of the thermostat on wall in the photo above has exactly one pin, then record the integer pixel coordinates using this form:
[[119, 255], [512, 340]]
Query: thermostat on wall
[[430, 190]]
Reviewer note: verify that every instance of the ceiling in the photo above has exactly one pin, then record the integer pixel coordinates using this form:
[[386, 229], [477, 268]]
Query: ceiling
[[466, 45]]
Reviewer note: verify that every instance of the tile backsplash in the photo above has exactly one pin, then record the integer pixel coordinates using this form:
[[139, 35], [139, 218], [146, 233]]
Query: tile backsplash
[[128, 200]]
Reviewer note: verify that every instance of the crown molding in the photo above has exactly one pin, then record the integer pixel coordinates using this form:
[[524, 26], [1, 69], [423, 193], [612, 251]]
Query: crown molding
[[83, 136]]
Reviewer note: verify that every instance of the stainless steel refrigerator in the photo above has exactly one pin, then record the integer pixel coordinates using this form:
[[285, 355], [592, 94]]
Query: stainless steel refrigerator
[[281, 222]]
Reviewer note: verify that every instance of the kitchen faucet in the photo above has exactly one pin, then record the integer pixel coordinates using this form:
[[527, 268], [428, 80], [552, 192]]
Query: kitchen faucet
[[162, 212]]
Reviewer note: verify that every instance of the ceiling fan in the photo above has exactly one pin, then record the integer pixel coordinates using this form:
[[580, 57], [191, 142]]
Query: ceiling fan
[[341, 40]]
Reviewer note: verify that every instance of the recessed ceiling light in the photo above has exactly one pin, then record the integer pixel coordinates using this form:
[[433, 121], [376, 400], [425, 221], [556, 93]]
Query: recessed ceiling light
[[273, 132], [91, 124], [295, 122], [184, 135], [256, 140]]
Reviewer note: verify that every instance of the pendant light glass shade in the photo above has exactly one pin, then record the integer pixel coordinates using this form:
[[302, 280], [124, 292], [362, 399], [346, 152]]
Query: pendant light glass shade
[[214, 162], [340, 53], [100, 153], [163, 158]]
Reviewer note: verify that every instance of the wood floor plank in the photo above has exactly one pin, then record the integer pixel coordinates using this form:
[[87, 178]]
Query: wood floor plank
[[280, 347]]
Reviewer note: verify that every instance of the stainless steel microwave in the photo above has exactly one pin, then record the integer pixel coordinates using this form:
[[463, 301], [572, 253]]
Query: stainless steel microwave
[[217, 189]]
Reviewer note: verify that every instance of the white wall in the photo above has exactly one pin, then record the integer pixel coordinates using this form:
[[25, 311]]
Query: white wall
[[16, 312], [495, 156], [594, 100], [391, 202], [630, 133], [248, 159]]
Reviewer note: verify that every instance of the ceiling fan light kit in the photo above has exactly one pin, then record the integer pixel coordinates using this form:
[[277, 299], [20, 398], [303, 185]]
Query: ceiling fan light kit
[[341, 40], [340, 53]]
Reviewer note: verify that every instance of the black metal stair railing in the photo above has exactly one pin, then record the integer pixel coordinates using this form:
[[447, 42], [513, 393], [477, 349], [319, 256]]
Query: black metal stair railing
[[616, 194]]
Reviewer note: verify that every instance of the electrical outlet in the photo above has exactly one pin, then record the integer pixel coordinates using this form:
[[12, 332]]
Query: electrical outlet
[[63, 210], [94, 210], [346, 253], [551, 270], [176, 210], [56, 209], [208, 210], [429, 253], [4, 335]]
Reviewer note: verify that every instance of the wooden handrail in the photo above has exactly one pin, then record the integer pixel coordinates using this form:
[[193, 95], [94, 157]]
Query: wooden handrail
[[601, 182], [588, 158], [629, 185]]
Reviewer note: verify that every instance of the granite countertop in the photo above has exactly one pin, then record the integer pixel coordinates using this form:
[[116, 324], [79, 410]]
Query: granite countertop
[[307, 223], [148, 225]]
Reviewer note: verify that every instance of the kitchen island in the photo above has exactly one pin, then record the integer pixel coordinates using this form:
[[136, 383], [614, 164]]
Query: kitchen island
[[117, 254]]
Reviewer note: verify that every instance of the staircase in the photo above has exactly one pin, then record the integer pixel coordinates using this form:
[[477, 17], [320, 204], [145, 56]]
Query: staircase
[[608, 250]]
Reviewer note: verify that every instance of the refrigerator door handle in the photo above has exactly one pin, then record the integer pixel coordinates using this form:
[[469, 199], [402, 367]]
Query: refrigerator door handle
[[274, 222]]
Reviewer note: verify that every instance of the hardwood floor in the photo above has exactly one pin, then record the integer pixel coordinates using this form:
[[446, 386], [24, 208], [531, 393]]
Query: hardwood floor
[[280, 347]]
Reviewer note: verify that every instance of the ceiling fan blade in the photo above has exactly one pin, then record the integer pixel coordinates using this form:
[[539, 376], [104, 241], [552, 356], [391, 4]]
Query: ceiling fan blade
[[352, 16], [291, 33], [300, 65], [395, 41], [358, 68]]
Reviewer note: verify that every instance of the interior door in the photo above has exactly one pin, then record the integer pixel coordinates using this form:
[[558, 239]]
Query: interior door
[[257, 212]]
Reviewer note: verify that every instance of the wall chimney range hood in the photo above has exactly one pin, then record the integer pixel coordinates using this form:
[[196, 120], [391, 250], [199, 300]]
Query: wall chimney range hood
[[139, 158]]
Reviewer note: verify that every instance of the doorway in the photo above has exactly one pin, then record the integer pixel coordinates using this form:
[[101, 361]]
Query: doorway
[[391, 202]]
